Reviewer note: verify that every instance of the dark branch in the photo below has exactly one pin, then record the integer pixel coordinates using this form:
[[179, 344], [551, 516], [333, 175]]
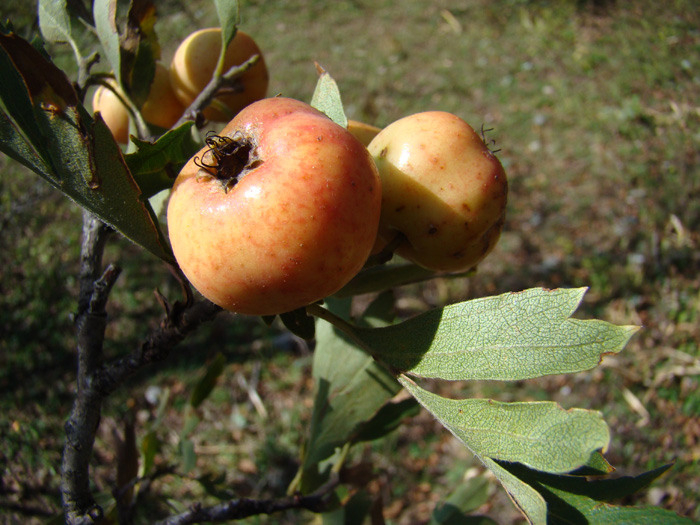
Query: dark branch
[[243, 508], [78, 503], [96, 381], [156, 347], [94, 236]]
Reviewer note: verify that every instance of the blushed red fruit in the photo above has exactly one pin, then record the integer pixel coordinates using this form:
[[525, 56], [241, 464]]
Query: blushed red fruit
[[442, 189], [285, 215], [194, 63]]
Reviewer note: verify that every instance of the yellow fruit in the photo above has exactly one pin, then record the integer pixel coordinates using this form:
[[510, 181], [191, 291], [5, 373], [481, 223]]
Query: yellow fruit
[[194, 63]]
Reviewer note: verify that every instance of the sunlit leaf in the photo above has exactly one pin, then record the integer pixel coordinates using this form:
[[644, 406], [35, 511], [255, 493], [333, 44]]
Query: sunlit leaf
[[541, 435], [54, 21], [326, 98], [154, 165], [105, 14], [508, 337], [527, 499], [228, 12]]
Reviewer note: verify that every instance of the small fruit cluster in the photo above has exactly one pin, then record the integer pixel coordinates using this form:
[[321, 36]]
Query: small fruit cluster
[[284, 206], [173, 89]]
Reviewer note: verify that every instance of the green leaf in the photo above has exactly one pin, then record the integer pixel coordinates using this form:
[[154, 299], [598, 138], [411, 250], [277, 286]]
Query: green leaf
[[576, 499], [508, 337], [208, 381], [105, 14], [326, 98], [78, 155], [191, 422], [54, 21], [150, 446], [597, 488], [299, 323], [384, 277], [139, 50], [350, 388], [388, 419], [17, 91], [229, 18], [14, 146], [154, 165], [597, 466], [189, 457], [527, 499], [541, 435], [468, 496]]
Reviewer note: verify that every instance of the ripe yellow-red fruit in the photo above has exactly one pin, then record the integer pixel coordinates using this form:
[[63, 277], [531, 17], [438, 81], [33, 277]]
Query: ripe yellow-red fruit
[[161, 108], [442, 189], [362, 131], [194, 63], [113, 112], [280, 212]]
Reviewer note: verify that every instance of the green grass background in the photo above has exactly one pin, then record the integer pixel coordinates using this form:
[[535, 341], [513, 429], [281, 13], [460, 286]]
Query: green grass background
[[596, 109]]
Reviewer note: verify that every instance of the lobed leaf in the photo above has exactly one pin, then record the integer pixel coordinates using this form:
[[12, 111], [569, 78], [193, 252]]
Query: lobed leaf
[[326, 98], [541, 435], [508, 337]]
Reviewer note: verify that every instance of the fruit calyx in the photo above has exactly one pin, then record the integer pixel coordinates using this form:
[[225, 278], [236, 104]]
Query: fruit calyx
[[228, 159]]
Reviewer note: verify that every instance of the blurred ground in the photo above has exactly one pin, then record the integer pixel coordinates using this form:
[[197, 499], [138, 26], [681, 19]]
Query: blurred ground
[[596, 106]]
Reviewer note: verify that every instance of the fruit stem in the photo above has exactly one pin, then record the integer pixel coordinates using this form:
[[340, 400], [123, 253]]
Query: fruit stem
[[339, 323]]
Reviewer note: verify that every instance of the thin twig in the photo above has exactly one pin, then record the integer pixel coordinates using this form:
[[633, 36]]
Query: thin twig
[[156, 347], [211, 90], [243, 508]]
